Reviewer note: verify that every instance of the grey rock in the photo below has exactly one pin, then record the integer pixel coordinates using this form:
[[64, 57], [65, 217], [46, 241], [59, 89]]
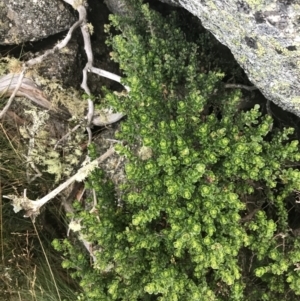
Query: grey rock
[[62, 66], [31, 20], [171, 2], [264, 37], [118, 7]]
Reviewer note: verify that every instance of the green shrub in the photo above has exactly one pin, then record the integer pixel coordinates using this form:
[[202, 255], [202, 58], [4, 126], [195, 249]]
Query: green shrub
[[204, 211]]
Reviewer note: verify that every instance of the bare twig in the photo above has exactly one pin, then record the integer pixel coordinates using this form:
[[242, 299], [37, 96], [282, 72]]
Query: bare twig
[[18, 85], [32, 208], [34, 93], [59, 46], [27, 89], [66, 135], [107, 118], [95, 202], [109, 75], [37, 173], [238, 86]]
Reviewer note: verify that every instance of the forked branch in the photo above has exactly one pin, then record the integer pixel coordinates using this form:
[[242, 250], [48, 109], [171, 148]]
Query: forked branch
[[32, 208]]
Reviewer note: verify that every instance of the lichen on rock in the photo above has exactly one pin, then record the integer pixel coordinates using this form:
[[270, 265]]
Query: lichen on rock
[[264, 37], [23, 20]]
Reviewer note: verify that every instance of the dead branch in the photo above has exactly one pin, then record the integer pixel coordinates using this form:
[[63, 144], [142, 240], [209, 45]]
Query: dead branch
[[17, 87], [239, 86], [32, 208], [28, 89]]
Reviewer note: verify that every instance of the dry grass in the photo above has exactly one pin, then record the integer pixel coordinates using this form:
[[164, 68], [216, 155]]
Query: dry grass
[[30, 269]]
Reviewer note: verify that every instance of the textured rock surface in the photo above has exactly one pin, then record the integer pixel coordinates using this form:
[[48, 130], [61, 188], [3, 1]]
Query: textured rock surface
[[119, 7], [32, 20], [62, 66], [264, 37]]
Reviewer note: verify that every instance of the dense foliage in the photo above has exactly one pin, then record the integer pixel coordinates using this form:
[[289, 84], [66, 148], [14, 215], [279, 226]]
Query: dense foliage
[[204, 209]]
